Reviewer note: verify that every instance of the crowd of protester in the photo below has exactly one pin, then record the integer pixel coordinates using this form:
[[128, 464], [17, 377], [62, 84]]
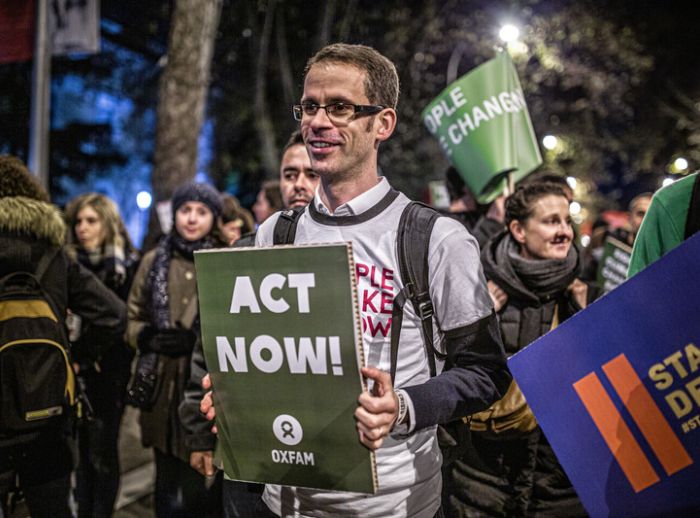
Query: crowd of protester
[[131, 315]]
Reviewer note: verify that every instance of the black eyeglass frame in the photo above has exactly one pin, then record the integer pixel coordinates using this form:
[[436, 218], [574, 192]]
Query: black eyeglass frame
[[369, 109]]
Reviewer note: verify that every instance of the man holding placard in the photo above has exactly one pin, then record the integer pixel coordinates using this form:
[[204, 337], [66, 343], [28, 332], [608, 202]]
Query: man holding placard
[[346, 112]]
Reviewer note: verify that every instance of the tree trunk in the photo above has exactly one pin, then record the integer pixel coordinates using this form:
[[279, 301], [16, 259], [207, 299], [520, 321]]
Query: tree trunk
[[344, 32], [285, 64], [263, 121], [325, 23], [182, 93]]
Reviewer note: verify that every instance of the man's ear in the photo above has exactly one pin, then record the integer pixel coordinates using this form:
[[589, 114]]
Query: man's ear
[[517, 231], [385, 123]]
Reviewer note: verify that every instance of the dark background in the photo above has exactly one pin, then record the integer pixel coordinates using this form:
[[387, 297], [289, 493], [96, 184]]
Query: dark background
[[616, 82]]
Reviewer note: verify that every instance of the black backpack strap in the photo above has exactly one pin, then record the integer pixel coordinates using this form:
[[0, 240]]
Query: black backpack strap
[[44, 262], [413, 246], [286, 227], [692, 223]]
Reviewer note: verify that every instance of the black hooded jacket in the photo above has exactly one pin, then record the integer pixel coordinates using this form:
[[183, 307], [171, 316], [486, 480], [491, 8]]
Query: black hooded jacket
[[31, 228]]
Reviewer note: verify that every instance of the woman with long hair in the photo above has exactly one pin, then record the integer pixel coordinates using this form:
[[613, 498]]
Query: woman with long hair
[[162, 313], [235, 221], [268, 202], [97, 239], [532, 270]]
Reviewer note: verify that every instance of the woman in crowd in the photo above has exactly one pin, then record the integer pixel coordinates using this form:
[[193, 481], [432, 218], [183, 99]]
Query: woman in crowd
[[268, 202], [532, 271], [97, 239], [162, 310], [235, 221]]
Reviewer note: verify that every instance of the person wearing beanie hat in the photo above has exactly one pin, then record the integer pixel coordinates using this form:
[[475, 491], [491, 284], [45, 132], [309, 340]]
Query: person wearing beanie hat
[[201, 192], [162, 310], [31, 228]]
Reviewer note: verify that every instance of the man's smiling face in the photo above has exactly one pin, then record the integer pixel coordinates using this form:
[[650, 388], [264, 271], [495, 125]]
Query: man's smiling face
[[342, 149]]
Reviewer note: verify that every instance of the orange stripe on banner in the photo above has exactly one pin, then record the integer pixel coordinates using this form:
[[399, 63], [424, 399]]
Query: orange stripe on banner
[[617, 435], [656, 430]]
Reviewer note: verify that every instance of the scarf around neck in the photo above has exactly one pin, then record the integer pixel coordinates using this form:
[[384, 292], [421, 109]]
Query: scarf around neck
[[541, 278], [108, 263], [158, 276]]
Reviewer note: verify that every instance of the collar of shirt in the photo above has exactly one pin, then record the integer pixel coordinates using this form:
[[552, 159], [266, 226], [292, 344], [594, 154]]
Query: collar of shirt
[[358, 204]]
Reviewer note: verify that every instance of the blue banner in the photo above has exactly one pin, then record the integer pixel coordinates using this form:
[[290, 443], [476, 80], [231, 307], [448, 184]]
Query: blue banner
[[616, 389]]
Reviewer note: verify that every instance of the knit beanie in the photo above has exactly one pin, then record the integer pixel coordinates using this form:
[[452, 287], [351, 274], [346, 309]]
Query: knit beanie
[[200, 192]]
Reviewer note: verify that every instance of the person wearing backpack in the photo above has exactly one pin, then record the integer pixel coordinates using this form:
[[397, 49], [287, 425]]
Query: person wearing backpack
[[162, 308], [39, 283], [98, 240], [346, 112], [532, 270]]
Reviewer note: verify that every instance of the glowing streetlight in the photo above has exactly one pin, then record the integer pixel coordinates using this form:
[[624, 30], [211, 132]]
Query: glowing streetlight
[[680, 164], [509, 33], [550, 142], [143, 200]]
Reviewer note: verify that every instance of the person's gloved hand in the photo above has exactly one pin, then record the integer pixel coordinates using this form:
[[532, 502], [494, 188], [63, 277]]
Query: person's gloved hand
[[143, 340], [173, 342]]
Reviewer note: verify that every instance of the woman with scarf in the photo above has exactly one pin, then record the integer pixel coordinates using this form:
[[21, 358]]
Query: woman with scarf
[[532, 271], [97, 239], [162, 309]]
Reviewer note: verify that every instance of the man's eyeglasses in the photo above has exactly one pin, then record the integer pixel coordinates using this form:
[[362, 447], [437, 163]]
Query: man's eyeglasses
[[337, 112]]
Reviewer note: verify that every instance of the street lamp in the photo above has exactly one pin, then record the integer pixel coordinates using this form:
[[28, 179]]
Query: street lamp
[[509, 33], [680, 164], [550, 142], [143, 200]]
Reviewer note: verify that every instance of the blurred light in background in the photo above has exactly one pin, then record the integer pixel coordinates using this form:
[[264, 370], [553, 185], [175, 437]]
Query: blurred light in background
[[585, 240], [680, 164], [550, 142], [509, 33], [574, 208], [667, 181], [143, 200], [572, 182]]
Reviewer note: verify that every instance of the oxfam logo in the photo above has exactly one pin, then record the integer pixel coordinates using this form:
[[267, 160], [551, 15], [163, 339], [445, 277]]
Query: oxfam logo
[[287, 430]]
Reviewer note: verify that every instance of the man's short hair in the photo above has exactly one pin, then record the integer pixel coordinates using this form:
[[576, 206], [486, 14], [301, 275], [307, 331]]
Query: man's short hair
[[295, 139], [381, 79]]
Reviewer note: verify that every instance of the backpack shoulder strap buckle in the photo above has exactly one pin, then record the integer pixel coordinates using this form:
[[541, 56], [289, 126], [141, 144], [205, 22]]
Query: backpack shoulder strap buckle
[[425, 309]]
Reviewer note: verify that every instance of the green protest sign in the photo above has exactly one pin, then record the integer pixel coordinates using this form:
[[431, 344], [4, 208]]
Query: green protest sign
[[282, 341], [482, 123], [612, 268]]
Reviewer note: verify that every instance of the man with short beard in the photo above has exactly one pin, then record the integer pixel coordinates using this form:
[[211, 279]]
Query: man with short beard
[[298, 181]]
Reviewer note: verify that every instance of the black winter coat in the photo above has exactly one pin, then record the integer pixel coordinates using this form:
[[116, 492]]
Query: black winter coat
[[28, 230]]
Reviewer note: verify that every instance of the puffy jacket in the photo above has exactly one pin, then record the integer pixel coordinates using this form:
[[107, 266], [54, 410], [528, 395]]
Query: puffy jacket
[[29, 229]]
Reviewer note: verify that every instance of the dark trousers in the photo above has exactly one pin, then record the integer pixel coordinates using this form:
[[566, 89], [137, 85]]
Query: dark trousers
[[241, 498], [182, 492], [43, 470], [97, 476]]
